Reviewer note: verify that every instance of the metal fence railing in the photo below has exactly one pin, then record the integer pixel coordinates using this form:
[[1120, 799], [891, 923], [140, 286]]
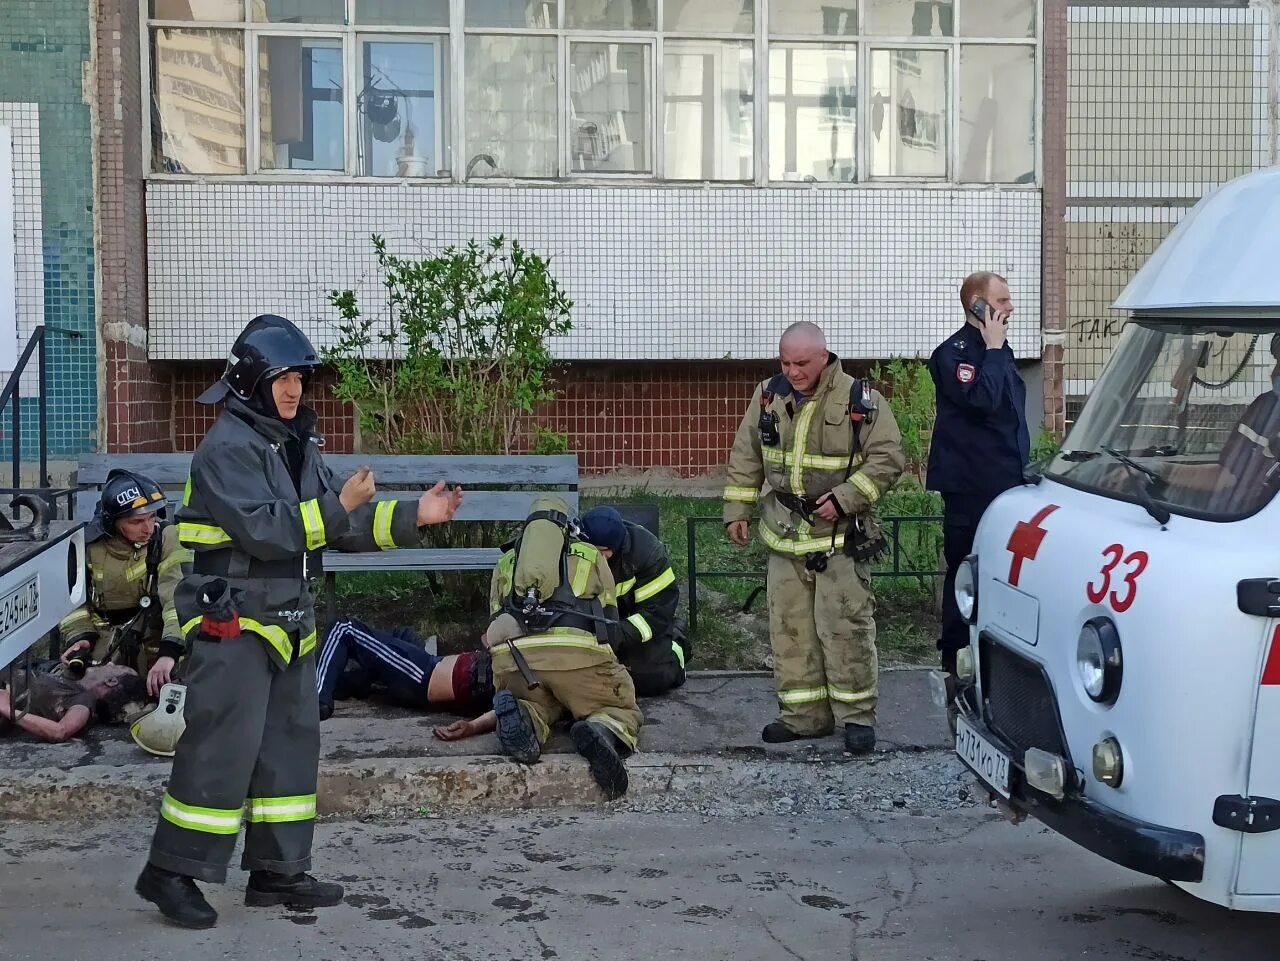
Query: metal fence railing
[[899, 560]]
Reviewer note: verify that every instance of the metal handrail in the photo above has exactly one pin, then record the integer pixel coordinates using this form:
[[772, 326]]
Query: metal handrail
[[12, 392], [894, 523]]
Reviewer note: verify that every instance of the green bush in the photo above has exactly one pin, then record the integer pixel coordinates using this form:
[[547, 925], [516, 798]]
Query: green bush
[[462, 358]]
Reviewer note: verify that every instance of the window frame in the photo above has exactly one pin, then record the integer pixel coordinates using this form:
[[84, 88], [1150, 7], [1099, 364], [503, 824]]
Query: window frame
[[439, 97], [453, 133]]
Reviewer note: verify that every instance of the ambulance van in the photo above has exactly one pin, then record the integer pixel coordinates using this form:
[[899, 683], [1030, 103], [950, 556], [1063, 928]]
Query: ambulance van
[[1123, 679]]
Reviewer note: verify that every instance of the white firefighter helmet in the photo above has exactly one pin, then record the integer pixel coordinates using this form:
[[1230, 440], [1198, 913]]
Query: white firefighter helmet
[[157, 732]]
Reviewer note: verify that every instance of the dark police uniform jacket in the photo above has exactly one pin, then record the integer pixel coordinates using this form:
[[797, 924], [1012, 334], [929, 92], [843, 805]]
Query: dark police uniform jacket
[[980, 440]]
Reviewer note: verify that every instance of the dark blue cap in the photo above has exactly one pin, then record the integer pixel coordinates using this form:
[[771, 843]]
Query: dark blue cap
[[603, 527]]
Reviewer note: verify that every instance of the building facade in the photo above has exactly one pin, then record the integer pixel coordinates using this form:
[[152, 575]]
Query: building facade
[[701, 171]]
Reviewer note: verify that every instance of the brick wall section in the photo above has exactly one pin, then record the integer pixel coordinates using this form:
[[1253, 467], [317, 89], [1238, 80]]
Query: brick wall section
[[137, 409], [1053, 254], [680, 416]]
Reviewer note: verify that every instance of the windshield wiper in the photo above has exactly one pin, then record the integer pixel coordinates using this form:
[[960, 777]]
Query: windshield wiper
[[1076, 455], [1148, 481]]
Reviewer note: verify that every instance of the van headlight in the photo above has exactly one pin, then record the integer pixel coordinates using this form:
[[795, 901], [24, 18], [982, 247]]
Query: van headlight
[[966, 589], [1098, 660]]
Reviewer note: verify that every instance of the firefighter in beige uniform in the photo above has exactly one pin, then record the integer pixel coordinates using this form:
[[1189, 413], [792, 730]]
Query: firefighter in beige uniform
[[815, 450], [552, 596], [134, 566]]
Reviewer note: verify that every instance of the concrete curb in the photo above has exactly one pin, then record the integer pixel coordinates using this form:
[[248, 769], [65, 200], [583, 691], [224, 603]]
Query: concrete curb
[[352, 789]]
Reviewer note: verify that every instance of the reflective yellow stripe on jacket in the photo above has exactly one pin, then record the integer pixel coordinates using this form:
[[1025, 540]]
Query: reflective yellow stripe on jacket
[[312, 523], [382, 517], [206, 535], [799, 545], [640, 624], [276, 636], [743, 495], [658, 584]]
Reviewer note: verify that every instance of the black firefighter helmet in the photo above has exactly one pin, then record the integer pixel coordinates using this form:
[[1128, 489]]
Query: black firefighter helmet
[[125, 494], [267, 347]]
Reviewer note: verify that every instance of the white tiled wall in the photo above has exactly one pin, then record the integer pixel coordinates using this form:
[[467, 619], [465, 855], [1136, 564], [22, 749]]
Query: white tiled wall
[[656, 273], [23, 120]]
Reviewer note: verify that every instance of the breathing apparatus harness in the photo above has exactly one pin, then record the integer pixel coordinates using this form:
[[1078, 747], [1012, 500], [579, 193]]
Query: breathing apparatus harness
[[861, 409], [563, 608]]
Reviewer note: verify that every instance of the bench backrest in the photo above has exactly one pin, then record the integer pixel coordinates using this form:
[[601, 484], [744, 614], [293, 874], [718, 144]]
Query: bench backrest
[[533, 474]]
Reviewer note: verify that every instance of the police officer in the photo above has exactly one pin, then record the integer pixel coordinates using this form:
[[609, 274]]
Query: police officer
[[259, 506], [134, 562], [828, 448], [653, 648], [552, 640], [980, 441]]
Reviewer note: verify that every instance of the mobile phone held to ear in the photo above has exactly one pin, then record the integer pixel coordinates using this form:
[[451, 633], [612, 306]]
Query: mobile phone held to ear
[[979, 309]]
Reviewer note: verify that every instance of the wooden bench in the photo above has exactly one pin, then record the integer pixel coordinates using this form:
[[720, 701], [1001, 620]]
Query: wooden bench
[[397, 475]]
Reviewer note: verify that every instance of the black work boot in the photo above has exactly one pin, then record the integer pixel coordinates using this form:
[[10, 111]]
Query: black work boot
[[515, 729], [177, 897], [296, 890], [604, 753], [776, 732], [859, 738]]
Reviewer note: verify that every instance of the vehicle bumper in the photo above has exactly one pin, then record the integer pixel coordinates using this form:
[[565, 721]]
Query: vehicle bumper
[[1162, 852]]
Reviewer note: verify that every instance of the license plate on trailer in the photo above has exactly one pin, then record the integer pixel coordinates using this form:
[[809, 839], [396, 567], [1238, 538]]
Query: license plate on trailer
[[20, 606], [982, 757]]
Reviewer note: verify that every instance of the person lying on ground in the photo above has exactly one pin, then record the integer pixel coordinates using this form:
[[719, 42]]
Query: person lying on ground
[[58, 707], [356, 659]]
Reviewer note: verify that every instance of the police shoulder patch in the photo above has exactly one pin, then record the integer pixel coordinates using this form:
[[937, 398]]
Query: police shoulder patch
[[965, 373]]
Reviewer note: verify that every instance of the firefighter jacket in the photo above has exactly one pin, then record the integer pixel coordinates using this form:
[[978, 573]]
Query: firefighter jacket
[[120, 576], [251, 524], [573, 641], [646, 589], [815, 455]]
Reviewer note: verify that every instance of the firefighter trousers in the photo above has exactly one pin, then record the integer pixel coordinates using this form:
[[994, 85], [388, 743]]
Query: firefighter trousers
[[823, 633], [250, 752], [600, 691]]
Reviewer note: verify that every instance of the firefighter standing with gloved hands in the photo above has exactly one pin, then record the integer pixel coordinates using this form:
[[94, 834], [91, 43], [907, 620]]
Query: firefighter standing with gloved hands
[[259, 506], [135, 562], [828, 448]]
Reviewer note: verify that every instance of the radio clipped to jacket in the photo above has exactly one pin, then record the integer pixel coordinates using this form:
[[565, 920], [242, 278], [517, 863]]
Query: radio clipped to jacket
[[770, 436]]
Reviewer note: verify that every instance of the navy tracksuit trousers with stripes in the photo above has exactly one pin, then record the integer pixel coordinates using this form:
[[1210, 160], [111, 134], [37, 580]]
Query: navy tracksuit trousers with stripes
[[355, 656]]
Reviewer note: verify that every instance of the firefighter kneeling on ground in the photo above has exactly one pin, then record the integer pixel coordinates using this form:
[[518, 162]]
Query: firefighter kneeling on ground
[[552, 641], [828, 448], [653, 649], [135, 562], [259, 506]]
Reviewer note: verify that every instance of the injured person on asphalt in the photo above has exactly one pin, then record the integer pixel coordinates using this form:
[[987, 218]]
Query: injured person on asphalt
[[54, 706]]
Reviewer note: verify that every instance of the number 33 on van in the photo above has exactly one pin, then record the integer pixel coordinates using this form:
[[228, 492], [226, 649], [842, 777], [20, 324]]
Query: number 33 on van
[[1122, 597]]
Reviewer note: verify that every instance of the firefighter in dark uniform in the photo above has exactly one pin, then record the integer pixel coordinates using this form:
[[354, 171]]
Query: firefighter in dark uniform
[[135, 562], [980, 441], [258, 507], [653, 648]]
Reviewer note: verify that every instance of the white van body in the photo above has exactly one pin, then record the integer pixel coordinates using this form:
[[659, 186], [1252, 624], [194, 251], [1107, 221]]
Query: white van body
[[1124, 686]]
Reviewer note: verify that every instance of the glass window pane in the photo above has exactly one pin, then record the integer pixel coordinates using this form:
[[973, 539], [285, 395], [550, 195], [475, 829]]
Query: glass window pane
[[196, 10], [402, 13], [1008, 18], [813, 110], [611, 14], [299, 11], [908, 113], [300, 103], [997, 114], [814, 18], [609, 110], [511, 13], [198, 101], [708, 110], [910, 18], [401, 108], [511, 121], [709, 16]]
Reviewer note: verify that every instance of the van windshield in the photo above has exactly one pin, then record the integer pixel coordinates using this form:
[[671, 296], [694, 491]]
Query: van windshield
[[1186, 415]]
